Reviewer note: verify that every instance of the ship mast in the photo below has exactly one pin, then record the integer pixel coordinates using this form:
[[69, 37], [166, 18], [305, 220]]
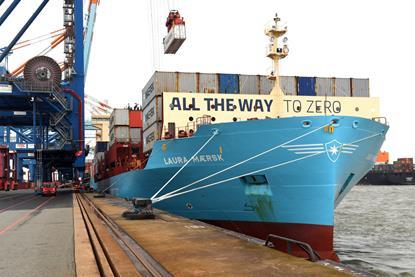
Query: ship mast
[[276, 53]]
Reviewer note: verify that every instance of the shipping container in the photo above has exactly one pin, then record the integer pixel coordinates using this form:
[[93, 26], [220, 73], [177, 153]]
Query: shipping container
[[151, 135], [325, 86], [360, 87], [288, 85], [382, 157], [101, 146], [174, 39], [265, 85], [342, 87], [187, 82], [135, 135], [228, 83], [160, 82], [136, 119], [119, 117], [153, 112], [306, 86], [249, 84], [119, 134], [208, 83], [99, 156]]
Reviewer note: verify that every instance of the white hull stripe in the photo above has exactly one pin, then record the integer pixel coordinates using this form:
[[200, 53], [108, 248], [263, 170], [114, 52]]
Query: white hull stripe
[[302, 145], [350, 145], [309, 152], [309, 148]]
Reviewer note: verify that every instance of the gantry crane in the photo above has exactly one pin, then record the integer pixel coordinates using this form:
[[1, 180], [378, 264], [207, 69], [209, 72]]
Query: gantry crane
[[42, 101], [44, 107]]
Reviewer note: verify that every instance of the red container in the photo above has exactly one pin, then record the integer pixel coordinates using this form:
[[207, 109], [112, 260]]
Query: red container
[[136, 119]]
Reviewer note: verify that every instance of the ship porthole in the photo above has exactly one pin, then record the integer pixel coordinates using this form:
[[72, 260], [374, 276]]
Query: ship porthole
[[189, 206], [306, 123], [235, 119], [356, 109], [191, 118], [355, 124]]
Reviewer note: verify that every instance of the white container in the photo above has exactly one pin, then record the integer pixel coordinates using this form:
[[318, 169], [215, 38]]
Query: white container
[[342, 87], [120, 134], [288, 85], [119, 117], [99, 157], [208, 83], [135, 135], [153, 112], [325, 86], [174, 39], [160, 82], [265, 85], [360, 87], [187, 82], [249, 84], [151, 135]]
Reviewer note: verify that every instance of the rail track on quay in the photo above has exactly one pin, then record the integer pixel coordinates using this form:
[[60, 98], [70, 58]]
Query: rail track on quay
[[115, 252]]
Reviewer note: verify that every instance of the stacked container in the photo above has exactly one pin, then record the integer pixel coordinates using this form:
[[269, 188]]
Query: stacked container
[[136, 125], [360, 87], [405, 165], [325, 86], [119, 126], [231, 84], [342, 87]]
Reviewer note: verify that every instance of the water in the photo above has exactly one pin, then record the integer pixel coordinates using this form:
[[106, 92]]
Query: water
[[375, 230]]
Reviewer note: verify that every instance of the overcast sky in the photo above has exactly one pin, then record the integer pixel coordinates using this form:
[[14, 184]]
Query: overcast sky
[[373, 39]]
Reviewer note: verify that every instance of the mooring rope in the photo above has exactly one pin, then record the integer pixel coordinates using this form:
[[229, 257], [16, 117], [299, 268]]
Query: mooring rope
[[116, 182], [246, 160], [215, 132]]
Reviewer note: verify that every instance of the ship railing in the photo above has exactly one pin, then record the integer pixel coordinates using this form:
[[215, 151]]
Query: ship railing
[[381, 120], [312, 255], [180, 132]]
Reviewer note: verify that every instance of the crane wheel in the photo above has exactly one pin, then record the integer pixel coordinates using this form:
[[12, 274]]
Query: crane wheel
[[43, 72]]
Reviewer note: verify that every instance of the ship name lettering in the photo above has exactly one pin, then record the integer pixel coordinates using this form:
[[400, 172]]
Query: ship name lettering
[[196, 159]]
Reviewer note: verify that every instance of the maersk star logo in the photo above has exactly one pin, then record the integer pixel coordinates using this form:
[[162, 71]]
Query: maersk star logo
[[333, 149]]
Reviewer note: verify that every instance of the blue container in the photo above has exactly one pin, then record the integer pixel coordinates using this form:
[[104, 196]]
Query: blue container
[[306, 86], [101, 146], [228, 83]]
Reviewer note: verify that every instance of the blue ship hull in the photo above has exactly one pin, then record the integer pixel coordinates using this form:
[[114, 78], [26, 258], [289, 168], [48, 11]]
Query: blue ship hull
[[274, 176]]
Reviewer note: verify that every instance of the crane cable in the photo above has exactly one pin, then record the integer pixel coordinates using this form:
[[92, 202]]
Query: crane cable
[[58, 39], [152, 32], [38, 39]]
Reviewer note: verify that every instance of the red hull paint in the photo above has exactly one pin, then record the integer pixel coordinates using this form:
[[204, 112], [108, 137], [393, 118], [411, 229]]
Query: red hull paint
[[320, 237]]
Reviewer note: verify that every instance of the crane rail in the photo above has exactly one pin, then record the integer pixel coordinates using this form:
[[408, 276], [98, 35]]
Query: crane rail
[[108, 262]]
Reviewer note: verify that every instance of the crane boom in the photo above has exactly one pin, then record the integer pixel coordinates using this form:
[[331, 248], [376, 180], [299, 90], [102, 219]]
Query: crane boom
[[92, 14]]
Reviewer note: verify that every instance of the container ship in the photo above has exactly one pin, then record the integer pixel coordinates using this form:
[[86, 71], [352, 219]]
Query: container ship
[[400, 172], [255, 154]]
